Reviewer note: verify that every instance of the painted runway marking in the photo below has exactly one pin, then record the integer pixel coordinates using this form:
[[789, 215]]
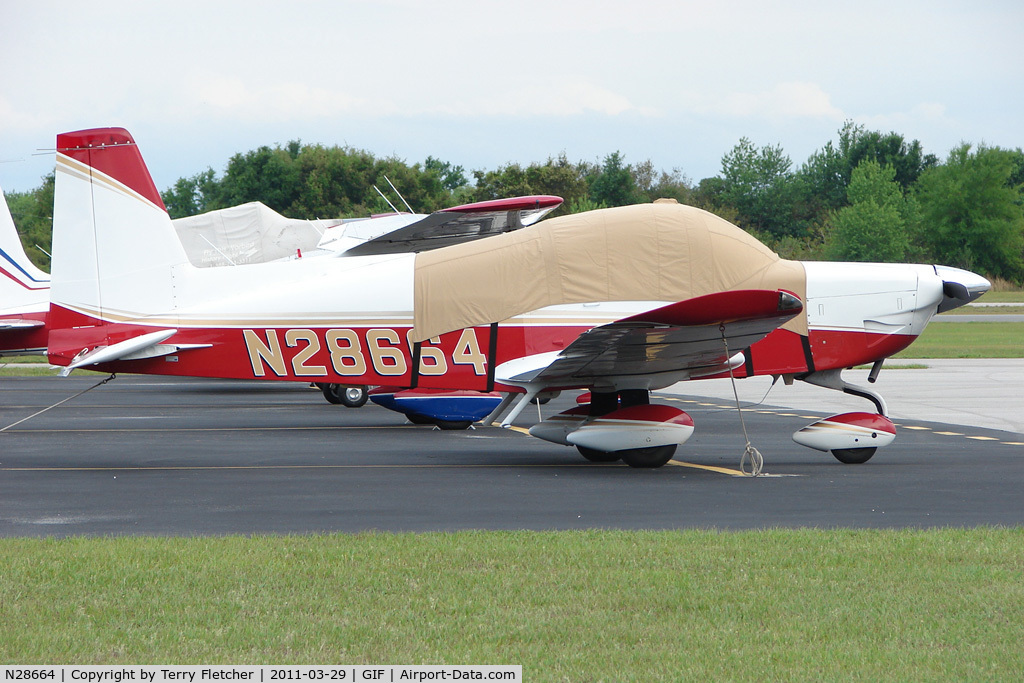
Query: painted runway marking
[[709, 468], [727, 471], [521, 430]]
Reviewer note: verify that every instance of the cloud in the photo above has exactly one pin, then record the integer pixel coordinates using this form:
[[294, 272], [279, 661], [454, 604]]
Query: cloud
[[931, 113], [782, 102], [553, 99], [271, 102], [14, 120]]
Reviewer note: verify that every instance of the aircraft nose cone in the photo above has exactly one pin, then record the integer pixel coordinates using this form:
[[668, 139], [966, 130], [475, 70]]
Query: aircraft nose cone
[[960, 287]]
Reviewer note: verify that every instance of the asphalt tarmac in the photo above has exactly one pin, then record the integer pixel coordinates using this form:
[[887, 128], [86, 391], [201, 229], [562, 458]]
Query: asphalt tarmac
[[155, 456]]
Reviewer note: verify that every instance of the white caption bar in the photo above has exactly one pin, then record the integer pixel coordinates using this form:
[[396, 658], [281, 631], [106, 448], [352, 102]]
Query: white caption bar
[[257, 674]]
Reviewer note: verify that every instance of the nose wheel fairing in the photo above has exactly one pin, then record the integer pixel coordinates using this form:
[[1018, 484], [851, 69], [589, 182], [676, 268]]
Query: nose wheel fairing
[[852, 438]]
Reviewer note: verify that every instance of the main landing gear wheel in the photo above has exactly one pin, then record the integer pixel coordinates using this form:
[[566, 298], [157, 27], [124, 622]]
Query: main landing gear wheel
[[350, 397], [655, 456], [594, 455], [853, 456]]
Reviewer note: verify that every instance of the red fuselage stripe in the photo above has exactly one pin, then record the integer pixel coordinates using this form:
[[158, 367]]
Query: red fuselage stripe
[[383, 356]]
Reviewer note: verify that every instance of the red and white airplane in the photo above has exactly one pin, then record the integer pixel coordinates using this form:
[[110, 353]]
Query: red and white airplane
[[24, 294], [618, 301]]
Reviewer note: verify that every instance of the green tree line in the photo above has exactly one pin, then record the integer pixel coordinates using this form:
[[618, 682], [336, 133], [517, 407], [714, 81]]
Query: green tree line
[[866, 196]]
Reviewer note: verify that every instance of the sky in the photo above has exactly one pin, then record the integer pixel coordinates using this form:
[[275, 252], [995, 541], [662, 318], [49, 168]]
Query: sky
[[482, 84]]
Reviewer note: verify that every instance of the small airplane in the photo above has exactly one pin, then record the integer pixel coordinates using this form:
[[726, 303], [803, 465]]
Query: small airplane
[[24, 294], [618, 302]]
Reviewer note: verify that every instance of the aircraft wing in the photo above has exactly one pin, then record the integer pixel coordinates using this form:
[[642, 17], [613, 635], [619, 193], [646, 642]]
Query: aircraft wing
[[683, 339], [460, 224]]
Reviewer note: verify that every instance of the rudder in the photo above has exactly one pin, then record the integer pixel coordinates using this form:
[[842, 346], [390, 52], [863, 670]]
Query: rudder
[[113, 243], [114, 247]]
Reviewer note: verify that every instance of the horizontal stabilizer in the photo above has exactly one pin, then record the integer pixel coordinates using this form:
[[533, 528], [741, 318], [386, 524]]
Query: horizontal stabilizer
[[158, 350], [19, 324], [118, 351]]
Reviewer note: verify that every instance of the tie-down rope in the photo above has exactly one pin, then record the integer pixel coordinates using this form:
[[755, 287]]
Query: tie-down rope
[[25, 419], [751, 457]]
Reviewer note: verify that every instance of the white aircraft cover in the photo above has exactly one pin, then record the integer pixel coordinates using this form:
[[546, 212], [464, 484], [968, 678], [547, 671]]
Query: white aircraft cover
[[663, 251], [248, 233]]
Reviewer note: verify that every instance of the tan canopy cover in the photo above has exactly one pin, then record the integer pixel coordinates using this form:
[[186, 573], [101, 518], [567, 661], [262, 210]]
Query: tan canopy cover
[[663, 252]]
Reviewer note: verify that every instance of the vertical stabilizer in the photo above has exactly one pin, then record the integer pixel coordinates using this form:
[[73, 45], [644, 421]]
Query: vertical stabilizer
[[23, 287], [114, 247]]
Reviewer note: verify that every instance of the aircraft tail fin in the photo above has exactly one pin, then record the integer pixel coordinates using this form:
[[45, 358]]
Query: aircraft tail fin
[[114, 246], [23, 287]]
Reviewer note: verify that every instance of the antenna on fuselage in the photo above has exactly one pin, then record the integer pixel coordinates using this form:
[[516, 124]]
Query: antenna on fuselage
[[386, 199], [399, 194]]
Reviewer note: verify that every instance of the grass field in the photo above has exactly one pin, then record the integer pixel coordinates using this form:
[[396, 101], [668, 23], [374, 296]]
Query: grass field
[[574, 606], [987, 310], [1014, 296], [968, 340]]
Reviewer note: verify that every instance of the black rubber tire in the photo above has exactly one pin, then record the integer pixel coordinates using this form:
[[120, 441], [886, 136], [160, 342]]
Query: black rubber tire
[[350, 397], [853, 456], [419, 419], [328, 391], [648, 458], [594, 455]]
